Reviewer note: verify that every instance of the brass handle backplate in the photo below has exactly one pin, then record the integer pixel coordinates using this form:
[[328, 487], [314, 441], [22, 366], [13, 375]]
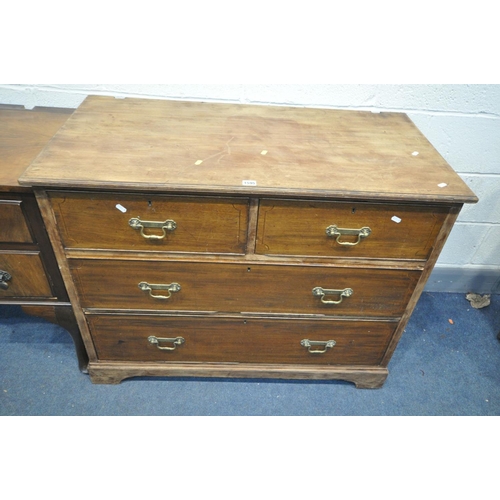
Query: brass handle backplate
[[174, 341], [322, 292], [168, 225], [4, 277], [327, 344], [149, 287], [338, 232]]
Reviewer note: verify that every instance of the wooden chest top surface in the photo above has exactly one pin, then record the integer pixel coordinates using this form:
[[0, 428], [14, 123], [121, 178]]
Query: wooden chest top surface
[[159, 145], [23, 134]]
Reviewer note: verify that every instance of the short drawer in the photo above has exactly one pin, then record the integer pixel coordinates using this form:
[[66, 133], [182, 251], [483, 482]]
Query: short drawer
[[151, 222], [341, 229], [228, 287], [23, 276], [239, 340], [13, 228]]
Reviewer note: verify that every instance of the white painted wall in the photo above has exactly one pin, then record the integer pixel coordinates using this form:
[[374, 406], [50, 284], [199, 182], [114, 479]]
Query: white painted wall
[[461, 121]]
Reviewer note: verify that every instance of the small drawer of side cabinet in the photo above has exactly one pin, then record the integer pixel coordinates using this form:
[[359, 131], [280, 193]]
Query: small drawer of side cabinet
[[22, 275], [13, 226]]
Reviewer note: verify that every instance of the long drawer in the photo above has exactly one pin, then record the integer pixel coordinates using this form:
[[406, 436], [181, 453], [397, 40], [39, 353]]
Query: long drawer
[[239, 340], [22, 275], [341, 229], [151, 222], [228, 287]]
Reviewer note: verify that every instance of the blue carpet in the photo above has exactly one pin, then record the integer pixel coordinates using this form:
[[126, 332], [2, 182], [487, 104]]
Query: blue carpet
[[439, 368]]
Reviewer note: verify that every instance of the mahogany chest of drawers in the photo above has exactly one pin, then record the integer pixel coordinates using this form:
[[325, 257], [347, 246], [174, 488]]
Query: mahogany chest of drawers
[[221, 240], [29, 274]]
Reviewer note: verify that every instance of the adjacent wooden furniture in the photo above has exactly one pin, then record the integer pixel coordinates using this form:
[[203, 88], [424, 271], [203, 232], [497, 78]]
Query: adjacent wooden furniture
[[29, 275], [229, 240]]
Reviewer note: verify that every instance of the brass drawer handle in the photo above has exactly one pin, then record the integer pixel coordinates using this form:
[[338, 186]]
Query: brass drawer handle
[[322, 292], [149, 287], [156, 341], [328, 344], [168, 225], [4, 277], [333, 230]]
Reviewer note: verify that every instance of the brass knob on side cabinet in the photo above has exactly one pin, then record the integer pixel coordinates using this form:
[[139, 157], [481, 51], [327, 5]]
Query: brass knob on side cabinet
[[4, 277]]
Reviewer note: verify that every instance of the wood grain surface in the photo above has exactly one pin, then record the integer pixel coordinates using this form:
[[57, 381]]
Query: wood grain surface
[[210, 147], [23, 134], [113, 372], [258, 288], [92, 220], [122, 338], [299, 228], [13, 227], [28, 275]]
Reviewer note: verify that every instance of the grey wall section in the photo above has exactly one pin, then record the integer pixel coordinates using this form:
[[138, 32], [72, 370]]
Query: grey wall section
[[480, 279]]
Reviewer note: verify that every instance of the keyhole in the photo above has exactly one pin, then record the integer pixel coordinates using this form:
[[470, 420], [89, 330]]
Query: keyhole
[[353, 211], [248, 269]]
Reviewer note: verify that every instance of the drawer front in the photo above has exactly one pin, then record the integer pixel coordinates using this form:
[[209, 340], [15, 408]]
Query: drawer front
[[159, 223], [223, 287], [251, 340], [394, 231], [23, 276], [13, 228]]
